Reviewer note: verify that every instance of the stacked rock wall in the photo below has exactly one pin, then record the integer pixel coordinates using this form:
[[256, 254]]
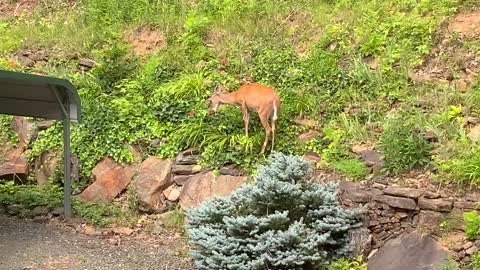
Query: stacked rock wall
[[392, 210]]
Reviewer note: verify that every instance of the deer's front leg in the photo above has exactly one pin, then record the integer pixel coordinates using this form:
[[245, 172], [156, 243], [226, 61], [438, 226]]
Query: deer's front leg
[[246, 118]]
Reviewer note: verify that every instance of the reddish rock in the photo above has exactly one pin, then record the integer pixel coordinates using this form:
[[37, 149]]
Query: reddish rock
[[404, 192], [154, 177], [439, 205], [172, 193], [308, 136], [111, 179], [45, 166], [205, 185], [24, 129], [15, 165]]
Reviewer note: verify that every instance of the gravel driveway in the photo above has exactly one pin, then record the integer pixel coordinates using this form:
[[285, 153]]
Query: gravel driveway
[[25, 244]]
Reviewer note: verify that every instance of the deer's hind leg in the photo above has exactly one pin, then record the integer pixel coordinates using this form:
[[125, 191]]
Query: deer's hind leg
[[266, 126], [246, 118]]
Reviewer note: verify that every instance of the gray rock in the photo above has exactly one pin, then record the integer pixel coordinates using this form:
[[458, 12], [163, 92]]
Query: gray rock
[[409, 251], [88, 63], [430, 221], [181, 179], [397, 202], [40, 211], [57, 211], [404, 192], [466, 205], [439, 205], [186, 169], [230, 171], [186, 160], [14, 209], [361, 241]]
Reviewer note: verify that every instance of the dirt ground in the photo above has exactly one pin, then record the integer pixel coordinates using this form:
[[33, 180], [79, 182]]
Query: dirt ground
[[28, 245]]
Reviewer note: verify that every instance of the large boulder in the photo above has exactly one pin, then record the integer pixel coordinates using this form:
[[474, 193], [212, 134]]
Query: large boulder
[[410, 251], [14, 165], [25, 130], [202, 186], [111, 179], [154, 177]]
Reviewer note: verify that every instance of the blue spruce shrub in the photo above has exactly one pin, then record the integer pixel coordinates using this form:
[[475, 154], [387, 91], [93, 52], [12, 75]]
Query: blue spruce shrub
[[281, 221]]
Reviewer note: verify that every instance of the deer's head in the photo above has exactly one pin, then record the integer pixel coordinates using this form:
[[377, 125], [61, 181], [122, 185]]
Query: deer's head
[[215, 100]]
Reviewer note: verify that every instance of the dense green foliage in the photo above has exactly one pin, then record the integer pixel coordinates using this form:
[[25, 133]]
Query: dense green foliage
[[283, 220], [51, 196], [312, 51]]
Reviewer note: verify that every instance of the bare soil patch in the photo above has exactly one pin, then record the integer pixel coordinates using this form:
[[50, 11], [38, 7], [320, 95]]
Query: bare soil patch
[[11, 8], [466, 24], [146, 41], [450, 62]]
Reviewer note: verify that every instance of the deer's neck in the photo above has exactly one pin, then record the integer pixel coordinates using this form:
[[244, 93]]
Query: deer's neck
[[229, 98]]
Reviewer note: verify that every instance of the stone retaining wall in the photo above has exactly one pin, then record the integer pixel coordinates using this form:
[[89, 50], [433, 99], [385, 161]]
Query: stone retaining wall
[[392, 210]]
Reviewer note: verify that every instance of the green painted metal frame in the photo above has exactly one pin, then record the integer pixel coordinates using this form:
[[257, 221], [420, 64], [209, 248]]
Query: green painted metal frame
[[65, 96]]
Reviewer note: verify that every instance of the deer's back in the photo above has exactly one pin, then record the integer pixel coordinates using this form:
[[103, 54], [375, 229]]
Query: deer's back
[[256, 95]]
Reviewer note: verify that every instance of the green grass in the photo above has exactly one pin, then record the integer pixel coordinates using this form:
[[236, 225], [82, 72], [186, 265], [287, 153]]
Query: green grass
[[311, 51], [51, 196]]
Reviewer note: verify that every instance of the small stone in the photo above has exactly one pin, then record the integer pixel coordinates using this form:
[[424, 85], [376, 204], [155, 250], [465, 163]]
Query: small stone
[[431, 195], [471, 250], [477, 243], [88, 63], [373, 223], [372, 253], [467, 245], [402, 215], [466, 205], [57, 211], [122, 231], [181, 179], [89, 230], [40, 219], [230, 171], [14, 209], [461, 254], [40, 211], [186, 169], [465, 260], [397, 202], [379, 186], [435, 204], [174, 195], [404, 192]]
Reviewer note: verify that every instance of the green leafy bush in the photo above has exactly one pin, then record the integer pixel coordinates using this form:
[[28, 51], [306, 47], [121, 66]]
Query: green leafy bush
[[402, 146], [281, 221], [472, 224]]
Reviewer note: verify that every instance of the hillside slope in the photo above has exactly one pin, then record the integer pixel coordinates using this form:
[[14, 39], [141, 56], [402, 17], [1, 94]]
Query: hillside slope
[[397, 75]]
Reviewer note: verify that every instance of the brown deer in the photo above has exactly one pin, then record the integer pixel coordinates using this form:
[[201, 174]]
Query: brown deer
[[264, 100]]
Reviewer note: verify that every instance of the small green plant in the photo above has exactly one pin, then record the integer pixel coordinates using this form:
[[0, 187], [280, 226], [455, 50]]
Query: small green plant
[[352, 168], [402, 146], [343, 264], [448, 264], [175, 220], [472, 224]]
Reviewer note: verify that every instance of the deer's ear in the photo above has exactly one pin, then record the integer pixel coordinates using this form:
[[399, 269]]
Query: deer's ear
[[219, 89]]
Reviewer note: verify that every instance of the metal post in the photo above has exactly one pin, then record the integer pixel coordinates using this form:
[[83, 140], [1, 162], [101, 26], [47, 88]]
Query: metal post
[[67, 212]]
